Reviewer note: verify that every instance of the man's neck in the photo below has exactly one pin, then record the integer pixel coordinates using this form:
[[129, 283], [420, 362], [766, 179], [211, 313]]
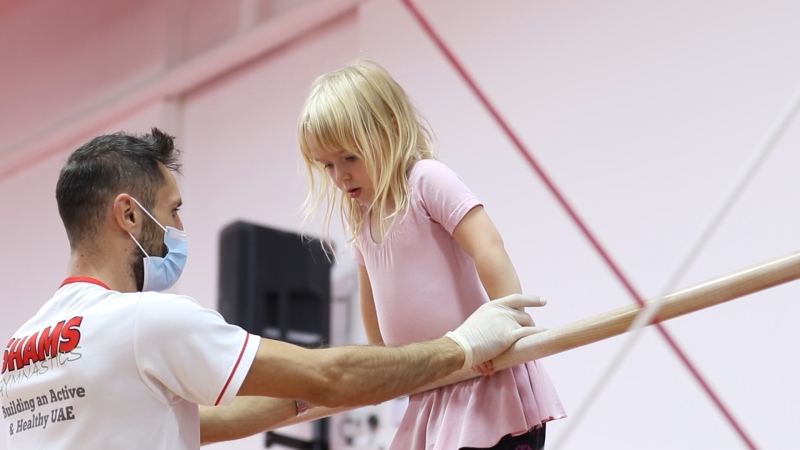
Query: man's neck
[[113, 274]]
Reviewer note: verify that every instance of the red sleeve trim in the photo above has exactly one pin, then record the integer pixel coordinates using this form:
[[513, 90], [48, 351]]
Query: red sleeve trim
[[235, 366], [84, 280]]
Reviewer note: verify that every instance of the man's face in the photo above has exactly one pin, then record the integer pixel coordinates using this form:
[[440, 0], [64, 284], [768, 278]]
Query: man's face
[[165, 210]]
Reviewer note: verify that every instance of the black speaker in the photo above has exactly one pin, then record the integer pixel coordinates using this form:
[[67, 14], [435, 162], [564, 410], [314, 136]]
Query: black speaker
[[275, 284]]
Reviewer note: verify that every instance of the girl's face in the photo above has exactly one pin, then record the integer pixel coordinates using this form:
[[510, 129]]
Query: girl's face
[[348, 172]]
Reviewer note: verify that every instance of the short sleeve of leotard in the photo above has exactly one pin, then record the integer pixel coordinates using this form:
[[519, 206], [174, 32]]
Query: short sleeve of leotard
[[441, 194], [438, 193], [191, 350]]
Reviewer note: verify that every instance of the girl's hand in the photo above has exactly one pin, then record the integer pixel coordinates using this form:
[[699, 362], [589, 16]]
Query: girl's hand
[[485, 368]]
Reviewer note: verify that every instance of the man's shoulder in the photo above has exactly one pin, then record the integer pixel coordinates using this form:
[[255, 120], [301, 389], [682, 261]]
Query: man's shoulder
[[162, 297], [166, 303]]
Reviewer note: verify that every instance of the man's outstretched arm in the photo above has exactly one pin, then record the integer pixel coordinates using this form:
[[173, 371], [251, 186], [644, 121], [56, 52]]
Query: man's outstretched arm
[[364, 375]]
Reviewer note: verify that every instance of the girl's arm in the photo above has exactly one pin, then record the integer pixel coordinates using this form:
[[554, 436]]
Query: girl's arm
[[477, 235], [368, 314]]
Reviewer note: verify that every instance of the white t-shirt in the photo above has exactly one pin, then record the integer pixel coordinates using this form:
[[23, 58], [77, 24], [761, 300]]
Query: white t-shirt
[[100, 369]]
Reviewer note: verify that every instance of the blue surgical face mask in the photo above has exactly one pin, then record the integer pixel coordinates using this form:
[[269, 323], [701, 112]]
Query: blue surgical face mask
[[160, 273]]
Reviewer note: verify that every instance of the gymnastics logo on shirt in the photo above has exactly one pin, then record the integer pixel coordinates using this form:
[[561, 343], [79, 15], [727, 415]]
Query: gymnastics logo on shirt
[[64, 337], [35, 354]]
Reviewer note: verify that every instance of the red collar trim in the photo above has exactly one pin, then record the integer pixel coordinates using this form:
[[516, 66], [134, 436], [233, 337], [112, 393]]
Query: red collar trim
[[84, 280]]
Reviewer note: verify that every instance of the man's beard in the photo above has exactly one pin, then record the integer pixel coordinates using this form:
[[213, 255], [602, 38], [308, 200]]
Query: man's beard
[[152, 240]]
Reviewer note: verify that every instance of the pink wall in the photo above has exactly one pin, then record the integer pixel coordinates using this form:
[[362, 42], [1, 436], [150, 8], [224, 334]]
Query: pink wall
[[59, 60], [644, 115]]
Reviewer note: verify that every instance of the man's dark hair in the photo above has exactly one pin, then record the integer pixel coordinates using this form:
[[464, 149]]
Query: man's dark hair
[[105, 167]]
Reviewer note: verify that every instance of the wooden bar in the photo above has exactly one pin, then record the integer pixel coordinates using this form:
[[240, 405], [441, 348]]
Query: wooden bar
[[615, 322]]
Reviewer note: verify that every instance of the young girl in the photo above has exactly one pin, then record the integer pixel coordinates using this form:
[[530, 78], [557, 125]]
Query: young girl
[[428, 256]]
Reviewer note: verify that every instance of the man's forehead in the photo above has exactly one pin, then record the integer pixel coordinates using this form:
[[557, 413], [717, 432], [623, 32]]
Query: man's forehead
[[169, 192]]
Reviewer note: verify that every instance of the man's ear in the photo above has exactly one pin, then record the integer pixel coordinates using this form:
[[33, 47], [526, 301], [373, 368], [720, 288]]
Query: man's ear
[[125, 213]]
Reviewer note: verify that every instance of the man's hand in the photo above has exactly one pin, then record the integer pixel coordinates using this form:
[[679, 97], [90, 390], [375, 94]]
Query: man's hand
[[493, 327]]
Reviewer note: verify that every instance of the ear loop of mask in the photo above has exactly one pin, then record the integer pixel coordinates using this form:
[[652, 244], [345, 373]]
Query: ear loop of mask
[[154, 220], [148, 213]]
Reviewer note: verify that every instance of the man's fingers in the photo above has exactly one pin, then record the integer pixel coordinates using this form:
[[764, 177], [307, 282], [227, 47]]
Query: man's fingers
[[520, 301], [522, 318], [526, 331], [489, 331]]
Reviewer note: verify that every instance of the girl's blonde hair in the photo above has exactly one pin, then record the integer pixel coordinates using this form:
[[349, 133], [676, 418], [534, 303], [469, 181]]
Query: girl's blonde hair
[[360, 109]]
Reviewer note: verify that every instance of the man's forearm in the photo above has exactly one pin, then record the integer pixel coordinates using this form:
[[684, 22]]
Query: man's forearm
[[371, 375], [340, 376], [349, 375], [244, 417], [361, 375]]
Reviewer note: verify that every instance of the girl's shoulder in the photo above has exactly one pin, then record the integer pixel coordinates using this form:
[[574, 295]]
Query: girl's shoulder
[[426, 168], [435, 180]]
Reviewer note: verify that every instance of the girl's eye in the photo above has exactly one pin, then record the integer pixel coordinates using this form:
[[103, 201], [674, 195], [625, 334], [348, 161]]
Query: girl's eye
[[327, 166], [351, 158]]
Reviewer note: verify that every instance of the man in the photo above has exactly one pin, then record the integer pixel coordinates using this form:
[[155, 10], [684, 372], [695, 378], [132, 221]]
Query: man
[[110, 362]]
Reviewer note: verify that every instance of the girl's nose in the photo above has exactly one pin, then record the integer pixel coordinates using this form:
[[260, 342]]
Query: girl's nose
[[342, 175]]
